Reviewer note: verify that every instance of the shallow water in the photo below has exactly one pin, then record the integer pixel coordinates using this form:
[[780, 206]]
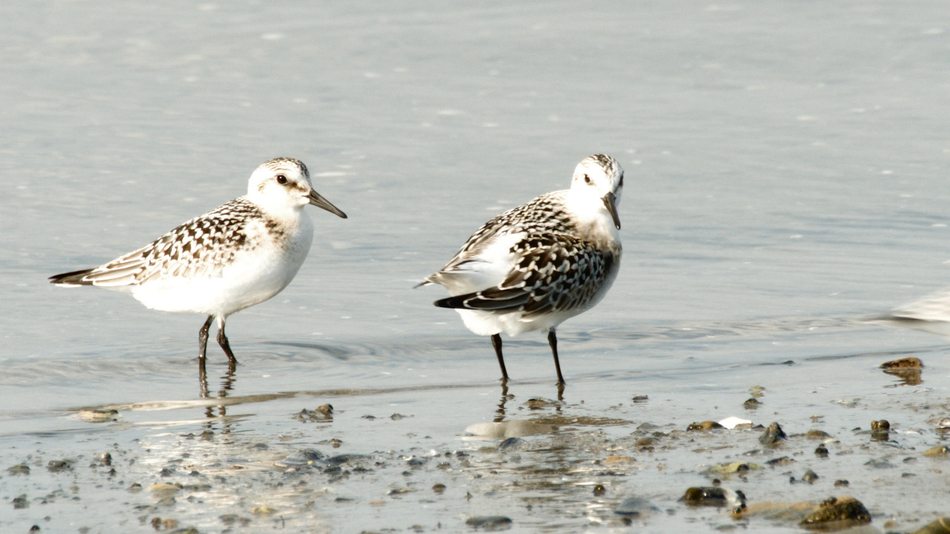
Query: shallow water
[[786, 179]]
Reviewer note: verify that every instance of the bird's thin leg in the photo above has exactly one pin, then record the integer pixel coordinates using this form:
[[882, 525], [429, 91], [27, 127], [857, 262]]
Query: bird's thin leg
[[223, 341], [496, 342], [552, 340], [203, 340]]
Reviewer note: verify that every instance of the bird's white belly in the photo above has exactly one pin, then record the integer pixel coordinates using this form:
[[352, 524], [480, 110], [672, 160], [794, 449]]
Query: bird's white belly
[[251, 278]]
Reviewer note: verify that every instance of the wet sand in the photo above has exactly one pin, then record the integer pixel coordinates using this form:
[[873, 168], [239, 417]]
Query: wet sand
[[452, 456]]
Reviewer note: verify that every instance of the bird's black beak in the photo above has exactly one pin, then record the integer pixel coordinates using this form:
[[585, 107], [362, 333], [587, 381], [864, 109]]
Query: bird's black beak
[[320, 202], [609, 201]]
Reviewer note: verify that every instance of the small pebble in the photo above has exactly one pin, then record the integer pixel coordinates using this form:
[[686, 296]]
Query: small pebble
[[705, 497], [512, 444], [705, 425], [21, 502], [751, 404], [59, 465], [837, 514], [821, 451], [488, 521], [21, 469], [98, 416], [772, 435], [940, 450]]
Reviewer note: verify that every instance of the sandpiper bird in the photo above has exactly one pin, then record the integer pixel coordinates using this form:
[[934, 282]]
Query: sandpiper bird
[[537, 265], [233, 257]]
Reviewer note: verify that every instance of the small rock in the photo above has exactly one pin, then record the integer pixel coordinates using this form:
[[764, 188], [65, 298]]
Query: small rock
[[56, 466], [263, 510], [21, 502], [439, 488], [164, 488], [488, 522], [599, 490], [538, 403], [21, 469], [837, 514], [821, 451], [842, 483], [879, 464], [705, 425], [783, 460], [303, 458], [711, 496], [937, 526], [772, 435], [817, 434], [903, 363], [940, 450], [810, 476], [98, 416], [512, 444], [751, 404], [634, 506], [637, 399]]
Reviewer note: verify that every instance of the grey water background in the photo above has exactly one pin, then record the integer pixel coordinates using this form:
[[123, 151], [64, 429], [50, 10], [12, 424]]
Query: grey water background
[[786, 176]]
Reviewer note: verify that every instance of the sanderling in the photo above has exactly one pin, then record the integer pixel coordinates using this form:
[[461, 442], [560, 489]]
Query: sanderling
[[537, 265], [235, 256]]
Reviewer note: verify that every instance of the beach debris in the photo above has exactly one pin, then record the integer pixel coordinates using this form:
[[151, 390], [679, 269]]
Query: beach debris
[[735, 422]]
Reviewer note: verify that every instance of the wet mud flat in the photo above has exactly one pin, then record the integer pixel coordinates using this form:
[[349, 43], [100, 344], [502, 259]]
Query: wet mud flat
[[607, 455]]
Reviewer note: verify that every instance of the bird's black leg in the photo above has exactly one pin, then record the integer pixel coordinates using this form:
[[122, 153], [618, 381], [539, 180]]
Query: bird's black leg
[[223, 341], [552, 340], [203, 340], [202, 351], [496, 342]]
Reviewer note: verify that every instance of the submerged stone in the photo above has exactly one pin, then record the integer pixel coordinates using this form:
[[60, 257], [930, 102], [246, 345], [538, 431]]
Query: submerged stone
[[834, 514]]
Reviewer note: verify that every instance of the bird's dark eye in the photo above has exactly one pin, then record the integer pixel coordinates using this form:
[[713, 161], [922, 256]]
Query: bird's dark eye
[[281, 179], [621, 180], [587, 178]]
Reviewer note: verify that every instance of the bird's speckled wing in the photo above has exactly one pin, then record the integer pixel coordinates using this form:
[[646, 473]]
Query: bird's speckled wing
[[552, 273], [199, 247]]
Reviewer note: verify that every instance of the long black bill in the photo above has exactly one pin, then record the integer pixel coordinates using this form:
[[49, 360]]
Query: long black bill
[[320, 202], [609, 200]]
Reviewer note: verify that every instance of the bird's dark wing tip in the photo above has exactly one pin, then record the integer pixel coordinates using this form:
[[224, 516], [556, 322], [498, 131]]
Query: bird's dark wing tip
[[73, 277]]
